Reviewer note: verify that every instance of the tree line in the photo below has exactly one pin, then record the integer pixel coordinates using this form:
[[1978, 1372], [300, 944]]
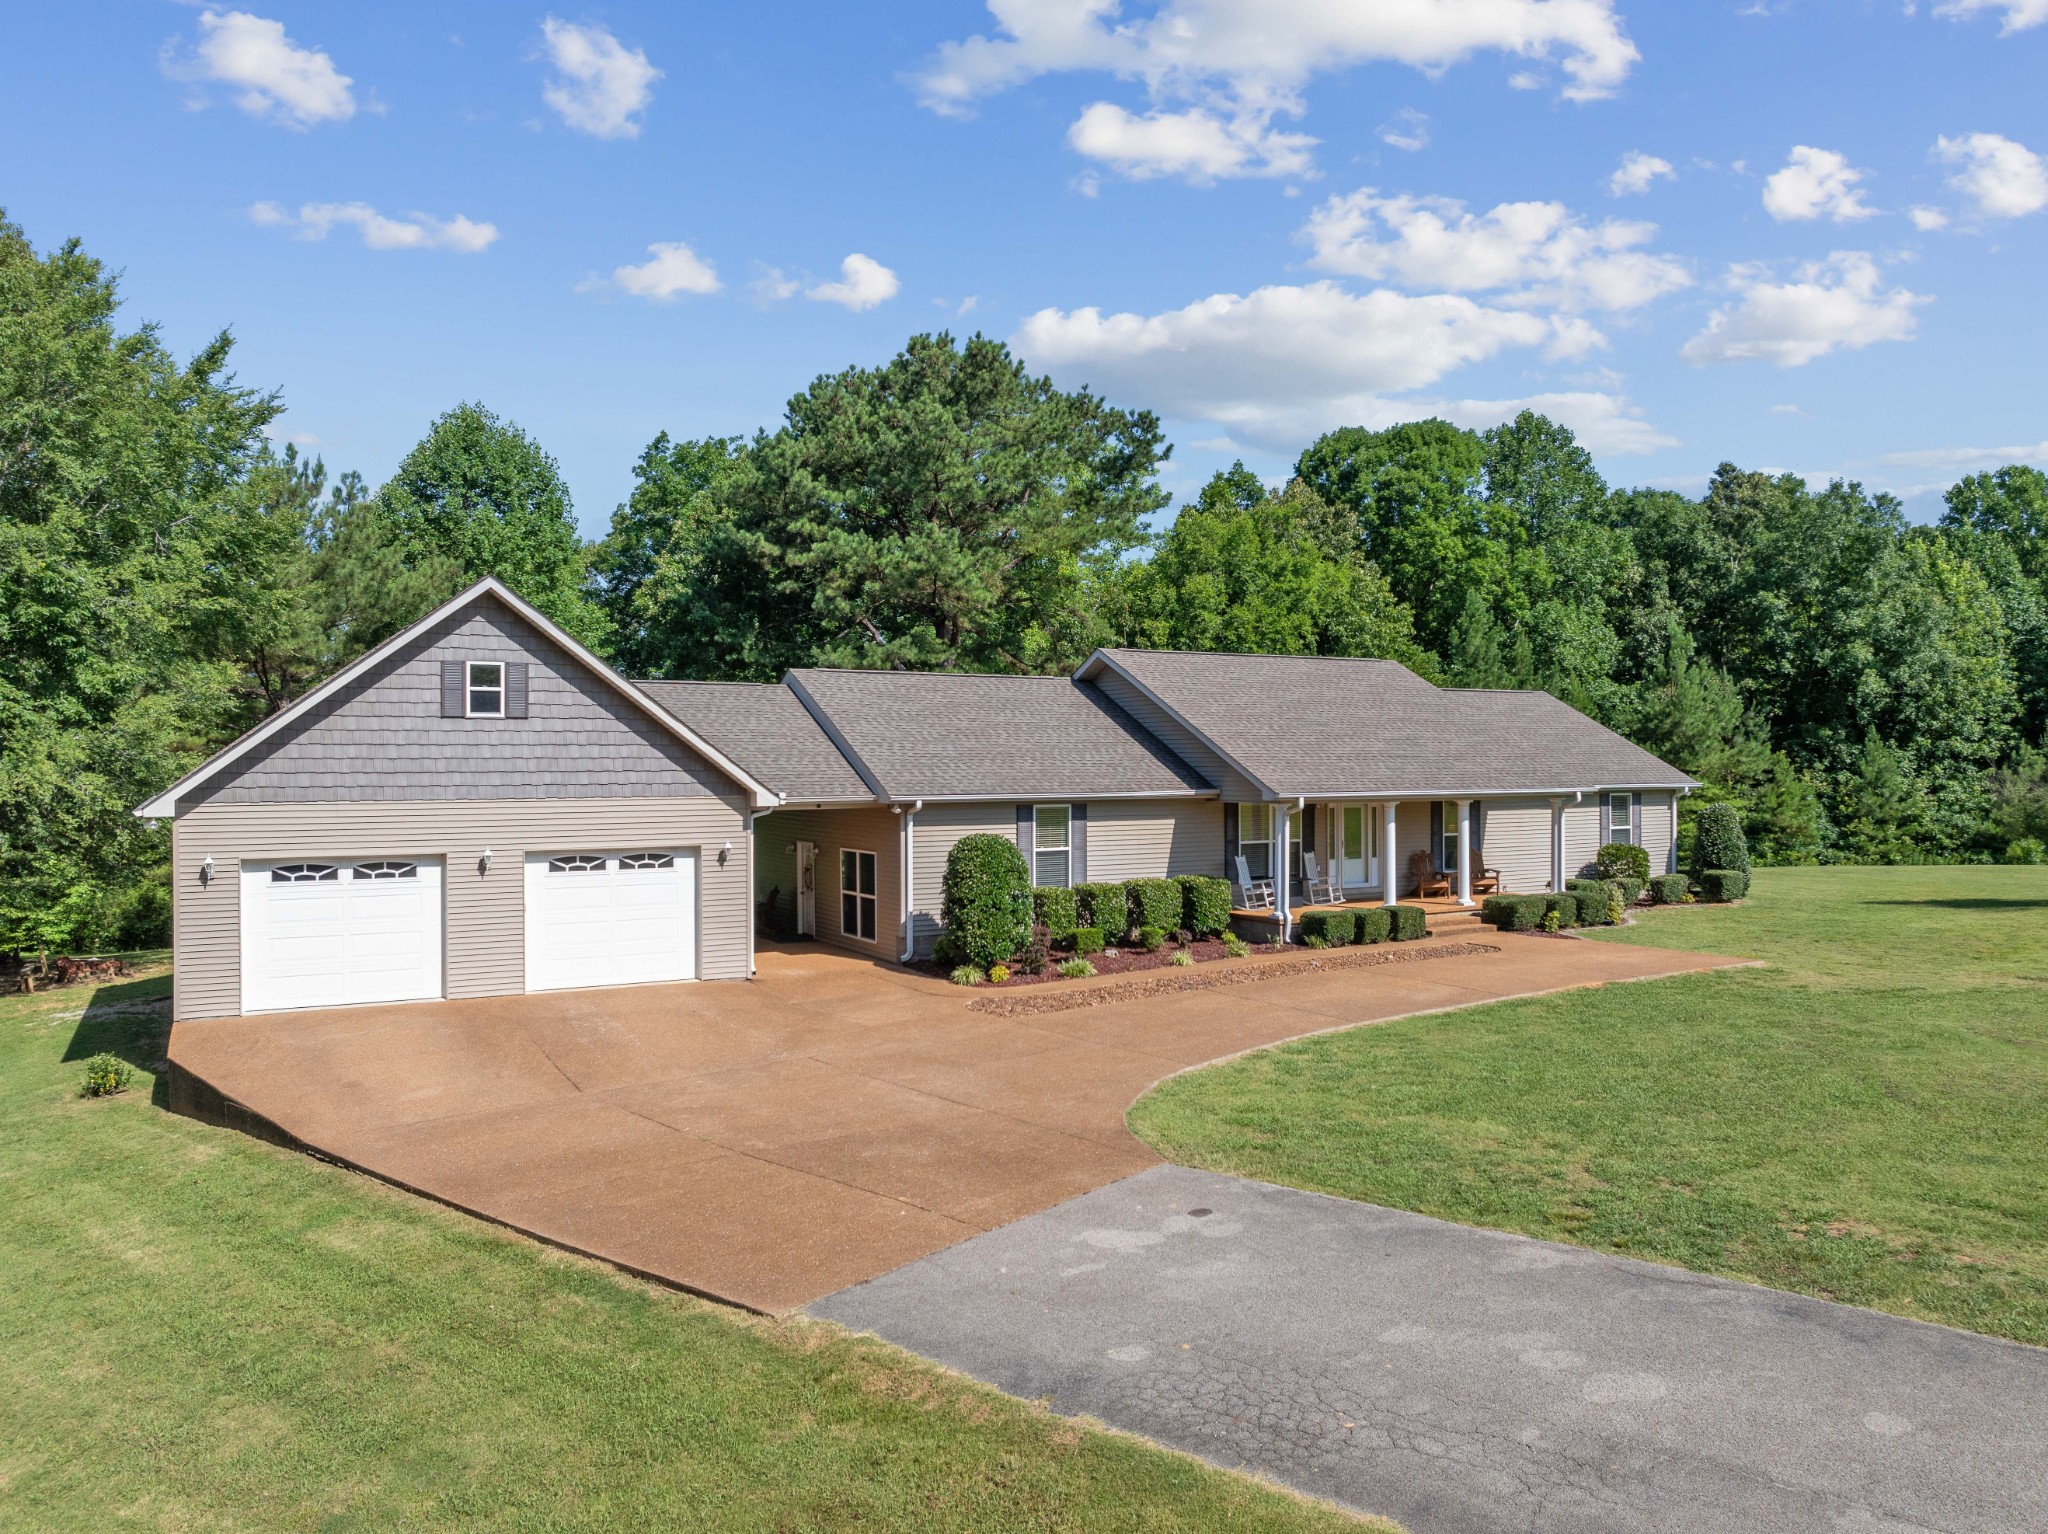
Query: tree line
[[1859, 687]]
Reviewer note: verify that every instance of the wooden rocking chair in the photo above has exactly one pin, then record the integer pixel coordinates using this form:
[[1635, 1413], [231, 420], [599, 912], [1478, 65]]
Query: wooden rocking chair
[[1429, 881]]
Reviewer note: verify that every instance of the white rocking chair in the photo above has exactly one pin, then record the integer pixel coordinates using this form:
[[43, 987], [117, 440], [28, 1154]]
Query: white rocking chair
[[1322, 884], [1256, 893]]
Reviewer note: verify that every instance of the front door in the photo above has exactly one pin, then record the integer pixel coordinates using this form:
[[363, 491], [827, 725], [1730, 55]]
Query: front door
[[806, 889], [1358, 867]]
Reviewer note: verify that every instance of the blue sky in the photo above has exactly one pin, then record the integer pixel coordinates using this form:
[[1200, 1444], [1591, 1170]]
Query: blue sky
[[1795, 235]]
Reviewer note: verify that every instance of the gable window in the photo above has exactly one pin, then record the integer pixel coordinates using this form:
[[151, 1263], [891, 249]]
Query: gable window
[[857, 894], [1621, 818], [486, 689], [1052, 853], [1255, 839]]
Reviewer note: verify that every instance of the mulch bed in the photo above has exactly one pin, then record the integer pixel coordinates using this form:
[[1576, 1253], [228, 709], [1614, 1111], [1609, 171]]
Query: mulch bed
[[1212, 978], [1126, 961]]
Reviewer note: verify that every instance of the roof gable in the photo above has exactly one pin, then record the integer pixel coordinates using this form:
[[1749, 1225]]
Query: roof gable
[[765, 727]]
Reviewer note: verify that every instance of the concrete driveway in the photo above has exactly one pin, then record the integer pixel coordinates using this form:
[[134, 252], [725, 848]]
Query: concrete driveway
[[768, 1143], [1465, 1380]]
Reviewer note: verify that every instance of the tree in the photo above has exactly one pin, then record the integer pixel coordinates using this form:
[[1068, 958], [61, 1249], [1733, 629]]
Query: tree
[[481, 492], [1249, 571], [644, 570], [1477, 654], [943, 510], [2010, 504]]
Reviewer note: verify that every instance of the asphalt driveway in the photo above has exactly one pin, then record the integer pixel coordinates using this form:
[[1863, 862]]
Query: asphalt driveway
[[771, 1142], [1463, 1380]]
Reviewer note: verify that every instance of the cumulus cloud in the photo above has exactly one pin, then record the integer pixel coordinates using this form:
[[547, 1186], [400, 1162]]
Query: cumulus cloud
[[1927, 220], [1532, 253], [1604, 423], [1837, 304], [863, 283], [415, 231], [1967, 460], [1195, 145], [1637, 173], [1244, 62], [270, 76], [2018, 14], [670, 270], [2003, 178], [1816, 183], [600, 86]]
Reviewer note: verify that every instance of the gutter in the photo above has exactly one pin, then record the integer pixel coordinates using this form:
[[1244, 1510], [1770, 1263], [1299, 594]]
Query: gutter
[[753, 867]]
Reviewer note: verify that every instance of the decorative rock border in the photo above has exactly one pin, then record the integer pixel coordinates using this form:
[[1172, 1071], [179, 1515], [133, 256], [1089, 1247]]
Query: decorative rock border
[[1215, 977]]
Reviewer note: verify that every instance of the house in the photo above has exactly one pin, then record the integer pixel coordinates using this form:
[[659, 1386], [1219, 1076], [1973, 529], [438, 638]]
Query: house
[[481, 806]]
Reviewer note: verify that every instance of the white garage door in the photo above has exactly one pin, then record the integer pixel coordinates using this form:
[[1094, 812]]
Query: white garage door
[[339, 934], [610, 918]]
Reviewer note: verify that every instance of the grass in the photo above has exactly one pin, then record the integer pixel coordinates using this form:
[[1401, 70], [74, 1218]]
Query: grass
[[202, 1333], [1864, 1119]]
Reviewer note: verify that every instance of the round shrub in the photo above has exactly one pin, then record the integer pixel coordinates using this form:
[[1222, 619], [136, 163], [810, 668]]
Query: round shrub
[[2028, 849], [985, 899], [105, 1075], [1056, 910], [1717, 839], [1107, 906], [1151, 939], [998, 973], [1205, 904], [966, 974], [1155, 903], [1623, 860], [1088, 940]]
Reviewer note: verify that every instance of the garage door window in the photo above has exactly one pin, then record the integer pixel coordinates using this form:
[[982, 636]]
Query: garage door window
[[576, 863], [646, 860], [385, 870], [305, 873], [857, 902]]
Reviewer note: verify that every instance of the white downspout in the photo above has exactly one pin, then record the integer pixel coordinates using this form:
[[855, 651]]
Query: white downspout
[[908, 880], [753, 870]]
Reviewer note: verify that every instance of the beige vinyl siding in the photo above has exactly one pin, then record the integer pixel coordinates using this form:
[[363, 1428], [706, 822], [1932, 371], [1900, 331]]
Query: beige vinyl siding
[[939, 827], [1411, 835], [1518, 843], [486, 910], [862, 829], [1176, 737], [1660, 828], [1154, 838], [1582, 833]]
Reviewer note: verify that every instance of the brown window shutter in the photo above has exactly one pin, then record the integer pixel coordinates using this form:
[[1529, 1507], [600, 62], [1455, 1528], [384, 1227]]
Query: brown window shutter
[[515, 689], [451, 690]]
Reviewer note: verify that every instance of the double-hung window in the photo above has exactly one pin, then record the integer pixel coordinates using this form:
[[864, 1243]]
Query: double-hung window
[[857, 894], [1447, 847], [486, 689], [1621, 818], [1052, 847], [1255, 839]]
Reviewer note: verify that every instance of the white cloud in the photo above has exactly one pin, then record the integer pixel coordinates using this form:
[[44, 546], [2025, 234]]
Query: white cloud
[[1790, 410], [1533, 253], [2019, 14], [2004, 179], [1967, 460], [1927, 220], [1243, 62], [1839, 303], [1409, 130], [1196, 144], [863, 283], [602, 85], [1816, 183], [1637, 172], [772, 284], [416, 231], [271, 76], [1604, 423], [671, 269]]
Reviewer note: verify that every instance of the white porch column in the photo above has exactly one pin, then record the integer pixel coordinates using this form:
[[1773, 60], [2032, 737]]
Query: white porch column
[[1283, 896], [1557, 846], [1390, 874], [1464, 852]]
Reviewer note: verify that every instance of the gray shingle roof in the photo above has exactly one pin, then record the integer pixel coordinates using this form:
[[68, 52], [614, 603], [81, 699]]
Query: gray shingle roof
[[952, 735], [1325, 725], [768, 731]]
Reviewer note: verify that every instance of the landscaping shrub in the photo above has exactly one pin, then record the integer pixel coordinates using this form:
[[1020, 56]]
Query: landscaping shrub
[[1515, 913], [1151, 939], [1057, 910], [1204, 904], [1409, 922], [1107, 906], [1723, 883], [1622, 860], [1599, 901], [985, 898], [1669, 889], [1372, 926], [1717, 840], [1631, 888], [1181, 959], [2028, 849], [1088, 940], [966, 974], [1155, 903], [1235, 946], [1077, 969], [1564, 907], [1333, 928], [1037, 953], [105, 1075], [998, 973]]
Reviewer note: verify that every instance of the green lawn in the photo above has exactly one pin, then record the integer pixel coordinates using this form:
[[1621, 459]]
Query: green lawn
[[1865, 1119], [202, 1333]]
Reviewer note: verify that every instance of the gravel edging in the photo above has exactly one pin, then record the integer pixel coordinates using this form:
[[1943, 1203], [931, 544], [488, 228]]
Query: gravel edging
[[1173, 981]]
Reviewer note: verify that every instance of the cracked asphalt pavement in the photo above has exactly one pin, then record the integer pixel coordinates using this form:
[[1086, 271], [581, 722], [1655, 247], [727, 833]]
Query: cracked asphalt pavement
[[1464, 1380]]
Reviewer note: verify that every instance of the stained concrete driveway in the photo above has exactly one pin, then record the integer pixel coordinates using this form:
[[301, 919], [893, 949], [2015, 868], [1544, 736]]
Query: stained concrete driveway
[[771, 1142], [1463, 1380]]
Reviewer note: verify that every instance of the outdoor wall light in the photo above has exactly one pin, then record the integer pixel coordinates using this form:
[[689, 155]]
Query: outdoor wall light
[[206, 869], [724, 853], [483, 864]]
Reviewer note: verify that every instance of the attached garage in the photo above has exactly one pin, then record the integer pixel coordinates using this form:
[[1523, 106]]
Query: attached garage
[[340, 933], [610, 918]]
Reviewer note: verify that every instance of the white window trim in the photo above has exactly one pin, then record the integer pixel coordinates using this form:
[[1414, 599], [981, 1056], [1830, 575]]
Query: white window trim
[[1632, 829], [470, 688], [857, 853], [1066, 846], [1264, 838]]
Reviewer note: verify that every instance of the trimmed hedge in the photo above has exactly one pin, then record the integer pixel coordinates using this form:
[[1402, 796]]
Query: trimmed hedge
[[1155, 903], [1057, 910], [1373, 926], [1723, 883], [985, 899], [1619, 860], [1333, 928], [1107, 906], [1596, 899], [1717, 840], [1669, 889], [1566, 906], [1515, 913], [1088, 940], [1631, 888], [1204, 904], [1410, 922]]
